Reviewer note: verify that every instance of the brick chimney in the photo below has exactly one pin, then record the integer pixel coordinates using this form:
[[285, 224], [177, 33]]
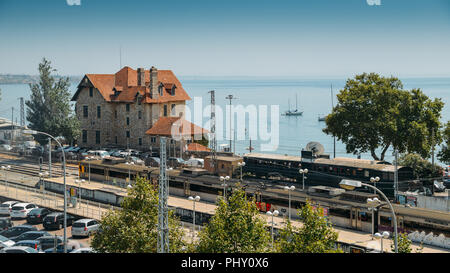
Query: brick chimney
[[154, 82], [140, 77]]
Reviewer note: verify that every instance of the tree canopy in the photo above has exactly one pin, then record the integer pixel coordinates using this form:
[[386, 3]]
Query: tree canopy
[[133, 229], [315, 236], [49, 109], [444, 154], [236, 227], [374, 112], [421, 168]]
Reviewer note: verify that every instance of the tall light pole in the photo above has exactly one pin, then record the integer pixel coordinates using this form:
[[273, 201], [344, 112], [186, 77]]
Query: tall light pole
[[224, 184], [384, 235], [352, 184], [129, 171], [272, 214], [89, 158], [374, 180], [6, 169], [373, 203], [241, 164], [230, 97], [303, 172], [33, 132], [194, 199], [289, 189]]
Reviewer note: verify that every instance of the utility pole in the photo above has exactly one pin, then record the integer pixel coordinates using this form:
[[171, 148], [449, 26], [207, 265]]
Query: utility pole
[[213, 132], [50, 157], [396, 175], [163, 211], [22, 112], [230, 97], [12, 125], [334, 138]]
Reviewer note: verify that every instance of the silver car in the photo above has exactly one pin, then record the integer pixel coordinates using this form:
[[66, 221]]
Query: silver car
[[21, 210], [85, 227], [5, 207]]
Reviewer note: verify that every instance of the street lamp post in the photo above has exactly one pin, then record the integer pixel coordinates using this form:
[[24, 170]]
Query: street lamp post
[[33, 132], [224, 184], [374, 180], [373, 202], [272, 214], [89, 158], [352, 184], [241, 164], [194, 199], [289, 189], [382, 236], [6, 169], [129, 172], [303, 172]]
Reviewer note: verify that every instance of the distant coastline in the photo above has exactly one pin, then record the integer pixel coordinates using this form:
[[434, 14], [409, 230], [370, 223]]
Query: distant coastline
[[27, 79]]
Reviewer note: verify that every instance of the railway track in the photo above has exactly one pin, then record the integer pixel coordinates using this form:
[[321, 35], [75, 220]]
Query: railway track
[[23, 167]]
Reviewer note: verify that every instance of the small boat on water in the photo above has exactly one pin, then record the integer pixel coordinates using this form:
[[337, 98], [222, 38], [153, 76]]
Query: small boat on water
[[321, 118], [293, 112]]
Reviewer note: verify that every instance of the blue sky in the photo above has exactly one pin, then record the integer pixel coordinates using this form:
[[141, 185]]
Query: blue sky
[[314, 38]]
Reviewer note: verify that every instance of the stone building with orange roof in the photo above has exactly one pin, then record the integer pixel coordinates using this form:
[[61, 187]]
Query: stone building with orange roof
[[132, 108]]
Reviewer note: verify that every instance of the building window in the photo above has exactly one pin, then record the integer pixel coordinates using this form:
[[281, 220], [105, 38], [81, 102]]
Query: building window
[[97, 137], [128, 134], [165, 110], [173, 91], [91, 91], [160, 90], [99, 111], [140, 114], [128, 121], [128, 107], [172, 110], [140, 141], [84, 136], [116, 139], [153, 139], [115, 113], [85, 111]]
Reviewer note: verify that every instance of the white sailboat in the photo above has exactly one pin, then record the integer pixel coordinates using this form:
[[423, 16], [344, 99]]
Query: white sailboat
[[295, 112]]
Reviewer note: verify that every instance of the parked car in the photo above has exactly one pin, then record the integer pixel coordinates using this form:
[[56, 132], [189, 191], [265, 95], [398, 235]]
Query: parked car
[[195, 162], [5, 147], [98, 153], [30, 235], [30, 243], [71, 246], [152, 161], [175, 162], [5, 207], [17, 230], [5, 242], [36, 216], [18, 249], [55, 220], [50, 241], [21, 210], [84, 227], [5, 223], [136, 160], [83, 250]]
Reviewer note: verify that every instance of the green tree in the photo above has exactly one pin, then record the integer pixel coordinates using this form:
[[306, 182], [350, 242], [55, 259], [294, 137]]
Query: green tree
[[49, 109], [421, 168], [373, 112], [315, 236], [133, 229], [236, 227], [444, 154], [404, 244]]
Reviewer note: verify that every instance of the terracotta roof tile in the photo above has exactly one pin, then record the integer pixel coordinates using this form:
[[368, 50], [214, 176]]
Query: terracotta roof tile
[[195, 147], [165, 126]]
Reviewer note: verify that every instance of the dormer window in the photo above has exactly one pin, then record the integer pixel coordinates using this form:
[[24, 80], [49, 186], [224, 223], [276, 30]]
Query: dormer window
[[172, 92], [160, 89]]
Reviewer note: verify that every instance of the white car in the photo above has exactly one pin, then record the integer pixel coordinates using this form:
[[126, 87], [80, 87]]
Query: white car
[[98, 153], [83, 250], [21, 210], [195, 162], [19, 249], [5, 207], [84, 227], [6, 242]]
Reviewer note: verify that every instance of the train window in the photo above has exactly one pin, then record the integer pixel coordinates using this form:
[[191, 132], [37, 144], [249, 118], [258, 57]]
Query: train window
[[385, 176], [366, 173], [391, 176], [97, 171], [354, 172], [347, 171]]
